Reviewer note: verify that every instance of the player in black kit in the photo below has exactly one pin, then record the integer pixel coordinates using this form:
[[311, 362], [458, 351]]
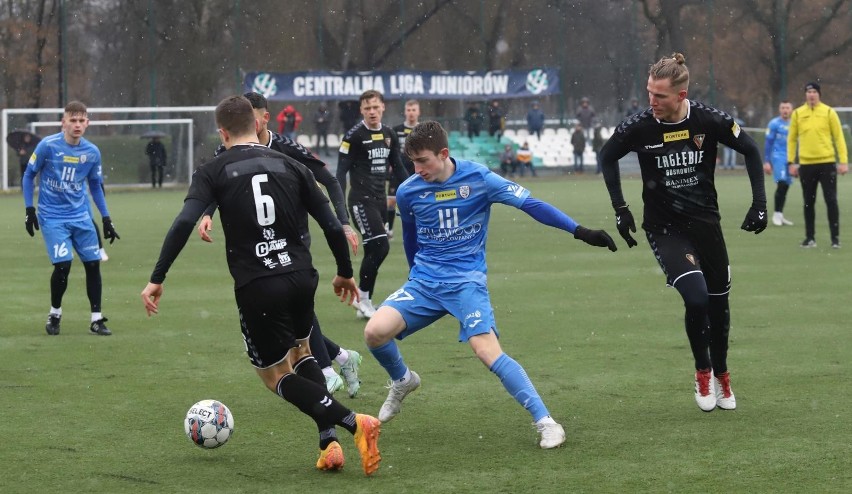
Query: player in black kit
[[676, 142], [365, 152], [265, 198], [322, 348], [412, 118]]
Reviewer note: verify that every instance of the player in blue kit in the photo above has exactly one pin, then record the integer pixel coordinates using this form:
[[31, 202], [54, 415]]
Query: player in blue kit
[[65, 163], [444, 210], [775, 159]]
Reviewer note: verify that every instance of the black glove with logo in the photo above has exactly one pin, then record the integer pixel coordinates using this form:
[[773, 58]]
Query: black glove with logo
[[109, 231], [597, 238], [756, 219], [31, 221], [625, 224]]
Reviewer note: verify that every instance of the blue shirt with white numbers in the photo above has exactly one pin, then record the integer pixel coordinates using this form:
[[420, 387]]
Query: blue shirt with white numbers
[[451, 220], [64, 171]]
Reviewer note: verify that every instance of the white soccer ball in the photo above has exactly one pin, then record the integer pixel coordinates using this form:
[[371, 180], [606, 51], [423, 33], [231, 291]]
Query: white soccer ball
[[209, 424]]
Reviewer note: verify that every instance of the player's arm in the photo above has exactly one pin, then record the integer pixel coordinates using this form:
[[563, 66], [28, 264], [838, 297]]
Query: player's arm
[[756, 218], [206, 223], [176, 237], [395, 159], [768, 145], [409, 228], [549, 215], [344, 163], [613, 150], [839, 142], [28, 186], [335, 195]]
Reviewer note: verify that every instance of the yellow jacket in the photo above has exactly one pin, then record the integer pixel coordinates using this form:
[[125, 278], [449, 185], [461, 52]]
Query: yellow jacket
[[816, 136]]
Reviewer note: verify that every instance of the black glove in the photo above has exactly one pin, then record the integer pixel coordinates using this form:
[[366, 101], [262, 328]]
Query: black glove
[[625, 224], [109, 231], [597, 238], [31, 221], [755, 220]]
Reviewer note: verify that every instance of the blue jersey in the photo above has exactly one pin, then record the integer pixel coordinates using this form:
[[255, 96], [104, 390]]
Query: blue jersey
[[775, 148], [451, 220], [63, 171]]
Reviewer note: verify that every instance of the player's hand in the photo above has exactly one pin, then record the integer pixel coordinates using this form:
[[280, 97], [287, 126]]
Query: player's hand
[[767, 168], [204, 227], [625, 224], [843, 168], [31, 221], [597, 238], [151, 298], [755, 220], [793, 169], [109, 231], [345, 288], [352, 238]]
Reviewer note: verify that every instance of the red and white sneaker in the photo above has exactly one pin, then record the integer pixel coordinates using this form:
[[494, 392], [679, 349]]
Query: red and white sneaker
[[724, 396], [705, 394]]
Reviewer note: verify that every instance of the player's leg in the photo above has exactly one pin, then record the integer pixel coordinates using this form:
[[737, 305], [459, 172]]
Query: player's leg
[[391, 212], [349, 361], [828, 181], [681, 264], [370, 218], [808, 178], [84, 238], [276, 338], [57, 241], [331, 380]]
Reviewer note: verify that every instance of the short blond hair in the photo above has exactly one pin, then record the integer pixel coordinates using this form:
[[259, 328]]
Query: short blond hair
[[673, 68]]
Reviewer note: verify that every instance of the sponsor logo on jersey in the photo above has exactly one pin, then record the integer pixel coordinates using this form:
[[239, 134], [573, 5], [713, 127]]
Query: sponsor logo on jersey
[[377, 137], [83, 158], [735, 129], [344, 147], [425, 194], [698, 140], [515, 189], [464, 191], [653, 146], [70, 159], [691, 259], [33, 158], [387, 141], [676, 136], [445, 195]]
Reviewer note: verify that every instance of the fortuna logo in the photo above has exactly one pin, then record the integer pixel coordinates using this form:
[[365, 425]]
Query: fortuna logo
[[676, 136], [425, 194]]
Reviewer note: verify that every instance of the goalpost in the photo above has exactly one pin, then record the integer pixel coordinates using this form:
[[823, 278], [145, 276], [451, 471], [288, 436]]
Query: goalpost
[[185, 144]]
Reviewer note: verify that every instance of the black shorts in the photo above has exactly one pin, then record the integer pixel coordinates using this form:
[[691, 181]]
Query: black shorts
[[370, 216], [700, 249], [275, 311]]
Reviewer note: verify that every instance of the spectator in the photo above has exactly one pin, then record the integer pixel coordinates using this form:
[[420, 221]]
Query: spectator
[[508, 164], [634, 108], [24, 152], [474, 120], [349, 114], [586, 116], [156, 152], [535, 122], [597, 144], [524, 159], [578, 141], [288, 122], [322, 119], [496, 120]]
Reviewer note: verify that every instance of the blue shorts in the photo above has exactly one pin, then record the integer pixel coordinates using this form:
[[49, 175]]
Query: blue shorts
[[423, 302], [61, 235], [780, 172]]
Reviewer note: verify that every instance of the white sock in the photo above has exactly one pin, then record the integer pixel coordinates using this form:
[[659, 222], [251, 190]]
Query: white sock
[[546, 420], [328, 372], [406, 377], [342, 357], [97, 316], [55, 311]]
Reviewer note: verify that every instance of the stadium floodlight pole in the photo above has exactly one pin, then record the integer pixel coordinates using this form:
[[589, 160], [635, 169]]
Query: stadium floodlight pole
[[4, 125]]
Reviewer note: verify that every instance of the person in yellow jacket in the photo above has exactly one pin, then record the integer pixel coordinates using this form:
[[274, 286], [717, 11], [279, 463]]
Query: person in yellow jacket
[[816, 153]]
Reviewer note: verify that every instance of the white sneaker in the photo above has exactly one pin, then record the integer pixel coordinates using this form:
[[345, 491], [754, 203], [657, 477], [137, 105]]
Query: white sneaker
[[785, 221], [777, 218], [349, 369], [705, 393], [724, 395], [552, 435], [397, 392], [104, 256], [333, 383], [364, 309]]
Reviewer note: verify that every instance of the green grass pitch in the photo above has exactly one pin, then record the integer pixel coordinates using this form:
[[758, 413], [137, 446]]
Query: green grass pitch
[[598, 333]]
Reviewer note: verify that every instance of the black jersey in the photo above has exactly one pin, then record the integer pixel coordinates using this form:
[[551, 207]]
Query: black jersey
[[402, 132], [367, 155], [264, 198], [678, 162], [293, 149]]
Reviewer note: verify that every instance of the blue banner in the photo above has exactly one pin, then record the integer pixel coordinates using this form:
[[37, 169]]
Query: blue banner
[[329, 86]]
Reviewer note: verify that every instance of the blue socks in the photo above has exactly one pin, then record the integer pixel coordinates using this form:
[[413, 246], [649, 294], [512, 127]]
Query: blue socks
[[518, 384], [389, 357]]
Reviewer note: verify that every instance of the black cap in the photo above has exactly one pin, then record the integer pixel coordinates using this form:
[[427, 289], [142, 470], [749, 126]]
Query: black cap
[[813, 85]]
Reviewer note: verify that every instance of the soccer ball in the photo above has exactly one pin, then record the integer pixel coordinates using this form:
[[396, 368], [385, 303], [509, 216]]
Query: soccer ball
[[209, 424]]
